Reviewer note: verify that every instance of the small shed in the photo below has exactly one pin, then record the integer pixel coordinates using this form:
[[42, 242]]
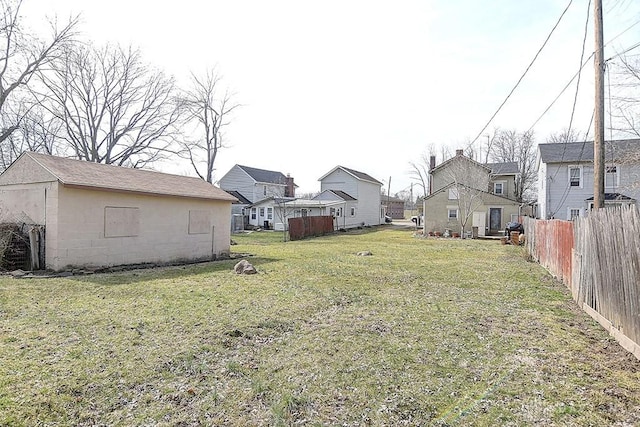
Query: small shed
[[97, 215]]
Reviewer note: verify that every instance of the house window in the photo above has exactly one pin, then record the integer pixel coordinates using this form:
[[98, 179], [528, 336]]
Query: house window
[[575, 176], [453, 214], [264, 190], [573, 213], [261, 212], [332, 211], [353, 211], [498, 188], [453, 194], [269, 213], [253, 213], [338, 212], [304, 212], [611, 179]]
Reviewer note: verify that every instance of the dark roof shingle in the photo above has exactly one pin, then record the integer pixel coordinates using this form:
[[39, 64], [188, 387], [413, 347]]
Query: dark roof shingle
[[263, 175], [583, 151]]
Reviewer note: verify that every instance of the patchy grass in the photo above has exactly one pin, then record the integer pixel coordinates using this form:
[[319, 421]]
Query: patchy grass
[[424, 332]]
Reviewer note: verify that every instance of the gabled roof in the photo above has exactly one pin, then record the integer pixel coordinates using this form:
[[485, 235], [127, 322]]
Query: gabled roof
[[573, 152], [83, 174], [338, 193], [263, 175], [458, 157], [503, 168], [241, 199], [356, 174]]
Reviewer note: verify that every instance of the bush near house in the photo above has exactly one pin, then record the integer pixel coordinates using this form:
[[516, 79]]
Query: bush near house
[[423, 332]]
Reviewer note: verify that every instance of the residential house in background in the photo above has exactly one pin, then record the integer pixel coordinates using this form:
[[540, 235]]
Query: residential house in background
[[360, 194], [465, 191], [565, 177], [97, 215], [264, 189], [394, 207], [239, 219]]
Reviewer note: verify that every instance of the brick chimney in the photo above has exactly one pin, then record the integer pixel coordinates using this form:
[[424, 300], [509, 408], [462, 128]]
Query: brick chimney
[[290, 189], [432, 162], [459, 152]]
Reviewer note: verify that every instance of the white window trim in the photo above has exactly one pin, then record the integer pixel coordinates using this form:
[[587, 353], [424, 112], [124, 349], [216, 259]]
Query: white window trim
[[569, 175], [569, 209], [453, 208], [453, 194], [504, 186], [353, 211], [617, 183]]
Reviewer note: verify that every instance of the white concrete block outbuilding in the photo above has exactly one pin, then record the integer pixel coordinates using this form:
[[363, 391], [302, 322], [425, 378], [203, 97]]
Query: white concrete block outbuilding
[[102, 215]]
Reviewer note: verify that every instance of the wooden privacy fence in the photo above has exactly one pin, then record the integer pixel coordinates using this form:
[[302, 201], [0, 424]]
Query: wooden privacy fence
[[306, 226], [598, 258], [551, 244], [607, 259]]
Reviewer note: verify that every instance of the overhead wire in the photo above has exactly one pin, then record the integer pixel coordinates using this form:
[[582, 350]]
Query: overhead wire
[[523, 75], [573, 107]]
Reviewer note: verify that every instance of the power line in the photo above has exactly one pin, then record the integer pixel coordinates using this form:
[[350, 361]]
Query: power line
[[523, 75], [573, 108]]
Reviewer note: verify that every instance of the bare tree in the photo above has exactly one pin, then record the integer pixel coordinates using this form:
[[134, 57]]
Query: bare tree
[[419, 170], [209, 109], [113, 107], [512, 146], [37, 132], [564, 136], [469, 184], [23, 55], [626, 114]]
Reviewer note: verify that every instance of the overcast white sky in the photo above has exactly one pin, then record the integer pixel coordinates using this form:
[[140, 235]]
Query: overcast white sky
[[366, 84]]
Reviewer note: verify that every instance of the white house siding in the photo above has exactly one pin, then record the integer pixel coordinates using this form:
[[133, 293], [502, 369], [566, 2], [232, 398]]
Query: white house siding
[[542, 184], [260, 219], [163, 233], [367, 195], [341, 180], [369, 204], [238, 180], [560, 197]]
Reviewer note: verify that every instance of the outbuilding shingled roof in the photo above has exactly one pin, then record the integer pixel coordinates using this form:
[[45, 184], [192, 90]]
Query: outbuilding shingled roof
[[78, 173]]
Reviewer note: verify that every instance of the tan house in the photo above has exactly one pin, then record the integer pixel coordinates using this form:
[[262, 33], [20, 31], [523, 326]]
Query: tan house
[[480, 197], [102, 215]]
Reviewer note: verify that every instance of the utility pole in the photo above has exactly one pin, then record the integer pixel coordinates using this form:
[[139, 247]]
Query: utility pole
[[598, 134]]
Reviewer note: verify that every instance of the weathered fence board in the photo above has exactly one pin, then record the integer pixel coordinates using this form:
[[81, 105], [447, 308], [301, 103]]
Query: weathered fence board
[[608, 250], [598, 258], [551, 244], [306, 226]]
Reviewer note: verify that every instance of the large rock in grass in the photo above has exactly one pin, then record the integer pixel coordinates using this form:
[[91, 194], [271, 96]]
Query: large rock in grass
[[244, 267]]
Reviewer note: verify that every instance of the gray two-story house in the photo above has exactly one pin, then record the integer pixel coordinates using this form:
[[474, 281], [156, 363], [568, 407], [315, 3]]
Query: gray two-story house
[[470, 197], [565, 177], [263, 189]]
